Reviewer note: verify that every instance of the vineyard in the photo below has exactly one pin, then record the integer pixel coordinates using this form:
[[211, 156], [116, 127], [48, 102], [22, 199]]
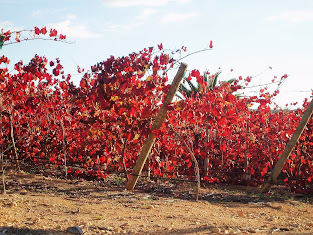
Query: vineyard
[[97, 128]]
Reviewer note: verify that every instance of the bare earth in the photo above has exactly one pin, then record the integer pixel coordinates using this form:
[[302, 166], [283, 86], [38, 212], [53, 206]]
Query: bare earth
[[43, 205]]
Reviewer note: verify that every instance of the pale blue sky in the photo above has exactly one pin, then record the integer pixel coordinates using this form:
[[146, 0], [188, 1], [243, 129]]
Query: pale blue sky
[[248, 35]]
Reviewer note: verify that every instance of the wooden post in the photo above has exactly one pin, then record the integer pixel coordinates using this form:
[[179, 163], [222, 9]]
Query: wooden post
[[291, 144], [206, 160], [156, 125], [13, 142], [124, 141], [64, 148], [146, 169], [3, 191]]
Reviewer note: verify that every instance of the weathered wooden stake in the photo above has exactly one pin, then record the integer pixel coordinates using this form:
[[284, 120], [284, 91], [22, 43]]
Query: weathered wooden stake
[[123, 157], [13, 142], [64, 148], [146, 169], [156, 125], [207, 159], [291, 144], [3, 191]]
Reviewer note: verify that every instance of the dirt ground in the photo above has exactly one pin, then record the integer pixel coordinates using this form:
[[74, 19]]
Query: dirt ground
[[36, 204]]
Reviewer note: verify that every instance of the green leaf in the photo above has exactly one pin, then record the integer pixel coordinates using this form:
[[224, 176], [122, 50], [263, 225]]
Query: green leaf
[[2, 37]]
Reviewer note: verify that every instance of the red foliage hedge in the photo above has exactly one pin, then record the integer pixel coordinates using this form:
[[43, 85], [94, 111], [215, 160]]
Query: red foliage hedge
[[99, 126]]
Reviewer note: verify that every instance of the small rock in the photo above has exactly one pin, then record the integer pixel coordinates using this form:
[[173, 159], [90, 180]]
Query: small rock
[[75, 211], [232, 231], [12, 204], [236, 231], [4, 231], [86, 224], [110, 228], [75, 230], [241, 214], [29, 222], [251, 230], [295, 225], [275, 230], [150, 207], [125, 224], [23, 191], [147, 196], [309, 224], [215, 230]]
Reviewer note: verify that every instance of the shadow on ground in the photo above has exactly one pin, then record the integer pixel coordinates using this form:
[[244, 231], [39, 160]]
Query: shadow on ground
[[26, 231], [236, 195]]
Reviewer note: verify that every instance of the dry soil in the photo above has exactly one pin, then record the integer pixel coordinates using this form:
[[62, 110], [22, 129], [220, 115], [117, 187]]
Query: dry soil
[[37, 204]]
